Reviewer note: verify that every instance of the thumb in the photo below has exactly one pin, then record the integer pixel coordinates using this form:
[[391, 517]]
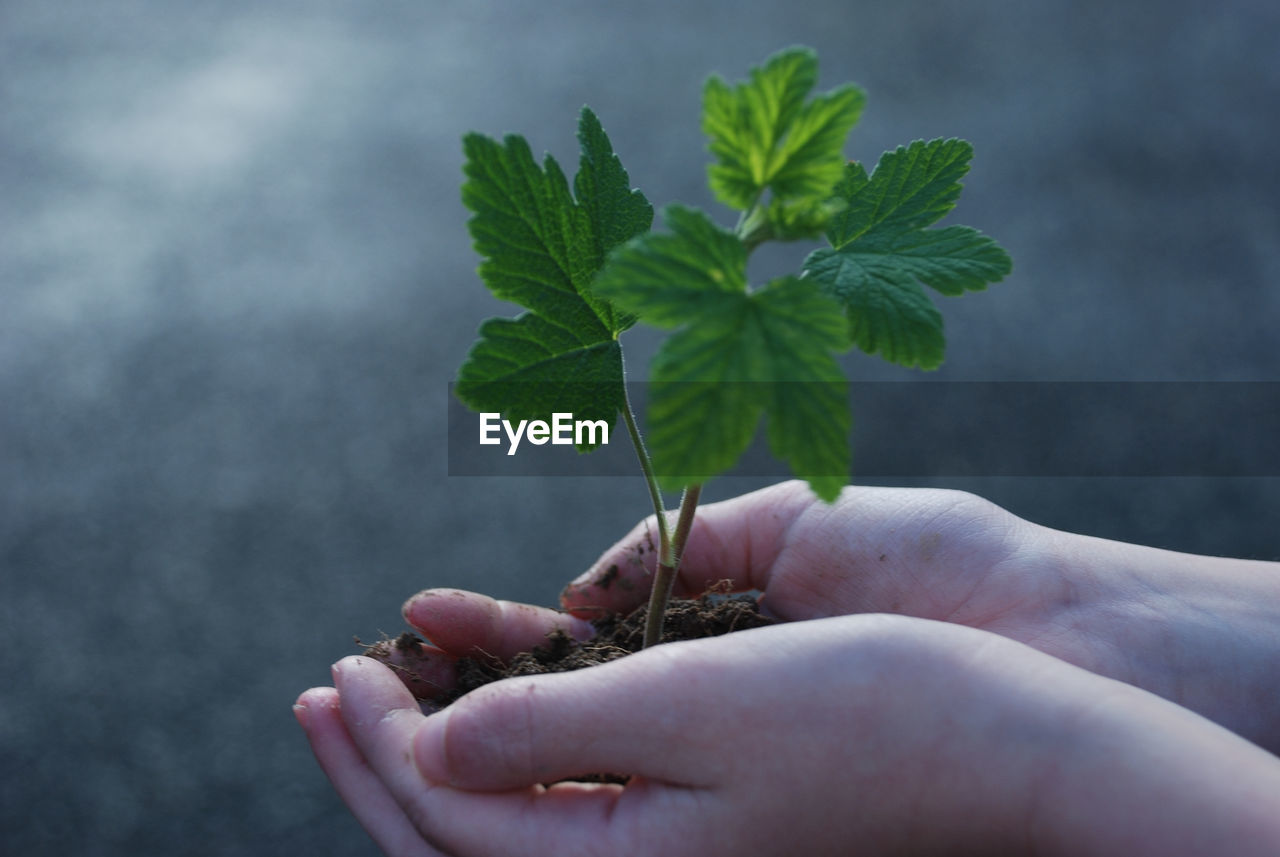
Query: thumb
[[633, 716], [735, 540]]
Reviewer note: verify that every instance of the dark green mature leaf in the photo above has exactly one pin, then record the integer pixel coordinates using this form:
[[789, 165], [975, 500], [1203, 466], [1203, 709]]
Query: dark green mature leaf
[[527, 368], [737, 355], [542, 248], [881, 251], [616, 211], [764, 134]]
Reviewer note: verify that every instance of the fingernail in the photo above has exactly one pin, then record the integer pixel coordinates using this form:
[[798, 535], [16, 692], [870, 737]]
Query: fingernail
[[409, 604], [302, 714], [585, 579]]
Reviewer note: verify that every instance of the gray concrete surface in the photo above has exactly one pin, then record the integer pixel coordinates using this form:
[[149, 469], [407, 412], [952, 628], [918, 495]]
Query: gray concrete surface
[[235, 280]]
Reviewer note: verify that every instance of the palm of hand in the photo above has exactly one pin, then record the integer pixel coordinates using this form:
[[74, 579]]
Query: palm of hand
[[932, 554]]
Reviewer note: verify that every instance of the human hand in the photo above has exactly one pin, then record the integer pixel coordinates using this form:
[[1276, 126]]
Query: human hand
[[914, 552], [879, 733], [1202, 632]]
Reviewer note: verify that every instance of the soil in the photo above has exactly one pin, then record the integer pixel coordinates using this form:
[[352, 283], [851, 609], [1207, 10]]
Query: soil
[[710, 615]]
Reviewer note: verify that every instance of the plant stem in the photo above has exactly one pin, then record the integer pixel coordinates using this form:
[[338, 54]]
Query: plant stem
[[672, 549], [688, 505], [668, 564], [646, 466]]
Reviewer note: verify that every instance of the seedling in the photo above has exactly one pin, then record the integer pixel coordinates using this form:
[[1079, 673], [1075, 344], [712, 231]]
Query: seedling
[[586, 268]]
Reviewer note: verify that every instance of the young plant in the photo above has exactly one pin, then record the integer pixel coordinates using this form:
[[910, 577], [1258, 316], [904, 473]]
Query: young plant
[[586, 267]]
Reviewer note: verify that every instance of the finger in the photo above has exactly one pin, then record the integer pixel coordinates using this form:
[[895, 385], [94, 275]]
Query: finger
[[735, 540], [359, 787], [380, 715], [467, 623], [643, 818], [382, 718], [632, 716], [382, 722]]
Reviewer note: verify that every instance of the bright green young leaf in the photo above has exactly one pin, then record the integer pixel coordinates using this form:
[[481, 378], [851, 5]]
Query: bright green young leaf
[[799, 221], [670, 277], [736, 356], [766, 353], [881, 251], [542, 248], [764, 135]]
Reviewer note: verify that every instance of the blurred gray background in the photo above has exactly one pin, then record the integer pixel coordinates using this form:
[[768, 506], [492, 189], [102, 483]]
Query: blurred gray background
[[235, 280]]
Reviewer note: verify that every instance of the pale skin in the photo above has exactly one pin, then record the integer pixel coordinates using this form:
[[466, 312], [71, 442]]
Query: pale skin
[[1040, 692]]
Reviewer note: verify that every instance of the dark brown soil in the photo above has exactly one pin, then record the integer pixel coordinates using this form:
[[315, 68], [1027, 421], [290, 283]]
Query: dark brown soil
[[711, 615]]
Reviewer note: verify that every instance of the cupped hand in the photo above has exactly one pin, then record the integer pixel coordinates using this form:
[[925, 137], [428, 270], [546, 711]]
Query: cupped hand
[[1202, 632], [872, 733], [931, 554], [934, 554]]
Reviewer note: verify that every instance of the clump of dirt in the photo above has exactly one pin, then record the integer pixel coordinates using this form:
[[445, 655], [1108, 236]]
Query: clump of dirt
[[710, 615]]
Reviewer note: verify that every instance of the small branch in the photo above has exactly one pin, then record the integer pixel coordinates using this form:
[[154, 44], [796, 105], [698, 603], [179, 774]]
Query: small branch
[[669, 564], [753, 228]]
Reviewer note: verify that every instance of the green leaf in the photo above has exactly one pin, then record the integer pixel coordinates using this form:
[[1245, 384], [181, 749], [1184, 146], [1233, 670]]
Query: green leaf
[[667, 278], [782, 221], [807, 408], [736, 356], [881, 251], [615, 211], [889, 314], [766, 353], [542, 248], [764, 135], [527, 368]]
